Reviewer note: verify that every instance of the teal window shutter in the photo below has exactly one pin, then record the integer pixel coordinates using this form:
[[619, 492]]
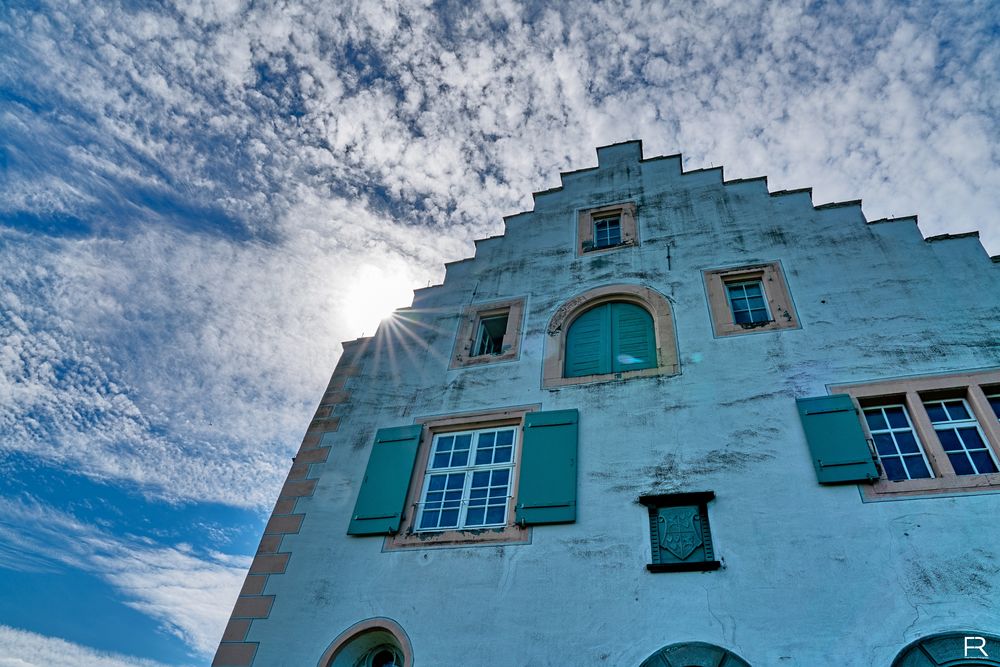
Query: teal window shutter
[[588, 343], [382, 497], [610, 338], [633, 344], [547, 484], [833, 430]]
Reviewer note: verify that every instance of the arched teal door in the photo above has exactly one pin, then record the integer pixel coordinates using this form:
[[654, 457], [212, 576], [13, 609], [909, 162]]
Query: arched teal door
[[952, 649], [694, 654]]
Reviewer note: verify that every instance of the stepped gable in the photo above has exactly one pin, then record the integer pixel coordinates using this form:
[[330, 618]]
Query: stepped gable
[[624, 154]]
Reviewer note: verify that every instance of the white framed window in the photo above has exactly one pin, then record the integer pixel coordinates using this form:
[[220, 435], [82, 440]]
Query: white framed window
[[606, 228], [953, 419], [746, 299], [753, 298], [961, 437], [898, 448], [607, 231], [488, 333], [468, 480], [489, 338]]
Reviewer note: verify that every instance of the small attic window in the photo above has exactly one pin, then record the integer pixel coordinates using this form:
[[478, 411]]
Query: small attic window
[[489, 339], [608, 231], [606, 228], [488, 333]]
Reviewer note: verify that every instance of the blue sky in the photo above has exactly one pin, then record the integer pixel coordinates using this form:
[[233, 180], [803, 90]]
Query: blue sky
[[200, 199]]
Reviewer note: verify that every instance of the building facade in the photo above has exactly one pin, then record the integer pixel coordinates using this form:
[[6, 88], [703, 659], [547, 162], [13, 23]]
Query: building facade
[[663, 420]]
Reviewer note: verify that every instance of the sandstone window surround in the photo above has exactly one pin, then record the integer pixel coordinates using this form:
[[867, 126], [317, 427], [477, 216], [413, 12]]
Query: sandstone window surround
[[654, 303], [525, 460], [954, 422], [369, 643], [489, 333], [606, 228], [749, 298]]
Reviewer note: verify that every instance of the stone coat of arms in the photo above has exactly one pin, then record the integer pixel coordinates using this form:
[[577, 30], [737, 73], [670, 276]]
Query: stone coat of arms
[[680, 530]]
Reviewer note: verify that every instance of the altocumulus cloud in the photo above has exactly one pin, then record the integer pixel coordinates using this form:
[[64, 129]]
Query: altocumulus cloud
[[199, 199], [190, 188]]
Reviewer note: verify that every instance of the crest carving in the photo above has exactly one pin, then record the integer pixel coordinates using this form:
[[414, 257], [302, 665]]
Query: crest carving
[[679, 530]]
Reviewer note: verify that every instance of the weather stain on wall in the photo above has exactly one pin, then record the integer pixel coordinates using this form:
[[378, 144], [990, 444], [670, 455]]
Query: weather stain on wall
[[674, 472], [974, 574]]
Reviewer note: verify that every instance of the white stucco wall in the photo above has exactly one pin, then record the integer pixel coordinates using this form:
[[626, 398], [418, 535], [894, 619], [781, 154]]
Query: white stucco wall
[[812, 575]]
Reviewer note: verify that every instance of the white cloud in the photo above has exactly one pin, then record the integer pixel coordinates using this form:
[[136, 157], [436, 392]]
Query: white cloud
[[188, 592], [29, 649], [237, 166]]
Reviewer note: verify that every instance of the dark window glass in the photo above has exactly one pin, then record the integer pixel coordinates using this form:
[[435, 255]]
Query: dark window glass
[[893, 468], [961, 464], [916, 466], [489, 339]]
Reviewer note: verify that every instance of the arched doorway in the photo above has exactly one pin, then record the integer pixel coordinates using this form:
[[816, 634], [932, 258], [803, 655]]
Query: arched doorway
[[694, 654]]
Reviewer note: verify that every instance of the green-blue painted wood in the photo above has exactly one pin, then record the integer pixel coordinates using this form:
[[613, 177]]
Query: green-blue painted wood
[[382, 497], [839, 449], [633, 343], [610, 338], [588, 343], [547, 485]]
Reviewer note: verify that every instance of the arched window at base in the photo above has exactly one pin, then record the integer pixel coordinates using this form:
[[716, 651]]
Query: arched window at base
[[951, 649], [376, 642], [694, 654]]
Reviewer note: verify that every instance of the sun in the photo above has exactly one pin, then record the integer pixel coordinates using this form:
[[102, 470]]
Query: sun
[[373, 295]]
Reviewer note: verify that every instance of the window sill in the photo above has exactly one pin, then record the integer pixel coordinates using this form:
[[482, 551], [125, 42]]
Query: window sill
[[733, 329], [556, 383], [884, 489], [698, 566], [483, 359], [512, 534], [592, 251]]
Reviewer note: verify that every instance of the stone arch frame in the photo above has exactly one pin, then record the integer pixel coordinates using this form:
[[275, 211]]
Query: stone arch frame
[[694, 654], [946, 649], [364, 635], [667, 358]]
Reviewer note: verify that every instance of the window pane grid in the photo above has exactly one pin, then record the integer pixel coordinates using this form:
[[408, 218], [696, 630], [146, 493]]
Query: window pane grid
[[607, 232], [896, 443], [961, 437], [747, 302], [468, 481]]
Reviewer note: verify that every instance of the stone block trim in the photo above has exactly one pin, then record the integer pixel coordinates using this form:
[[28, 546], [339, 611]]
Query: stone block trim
[[269, 563], [283, 524], [253, 585], [269, 544], [236, 630], [252, 605], [235, 654]]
